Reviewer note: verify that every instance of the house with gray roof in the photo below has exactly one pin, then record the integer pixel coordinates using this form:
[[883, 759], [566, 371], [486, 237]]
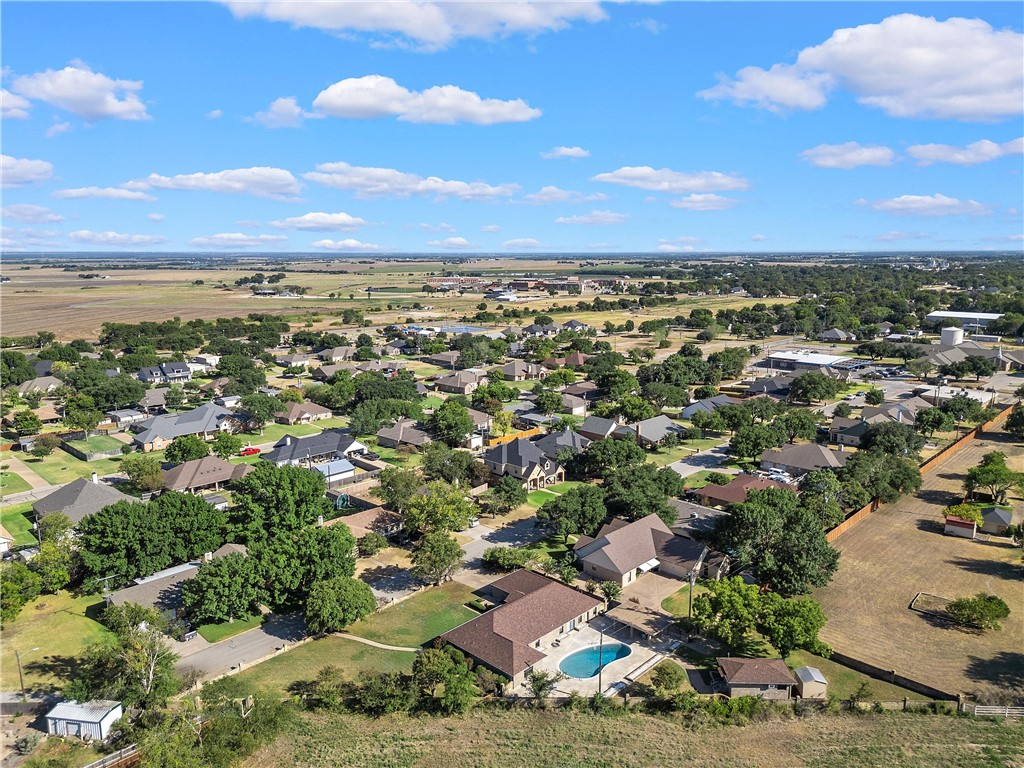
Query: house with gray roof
[[518, 370], [44, 384], [566, 440], [707, 405], [79, 498], [165, 373], [798, 460], [328, 445], [403, 432], [649, 432], [524, 461], [461, 382], [336, 354], [206, 421], [596, 428]]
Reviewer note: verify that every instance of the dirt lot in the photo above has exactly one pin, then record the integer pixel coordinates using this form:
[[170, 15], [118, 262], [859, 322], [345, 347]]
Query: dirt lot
[[900, 551]]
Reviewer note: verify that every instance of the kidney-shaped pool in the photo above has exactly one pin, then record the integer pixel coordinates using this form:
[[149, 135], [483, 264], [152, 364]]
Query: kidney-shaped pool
[[589, 661]]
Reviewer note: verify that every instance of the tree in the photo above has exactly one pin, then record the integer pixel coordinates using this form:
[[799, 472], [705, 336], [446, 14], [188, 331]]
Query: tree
[[458, 695], [792, 624], [893, 438], [501, 424], [542, 684], [874, 397], [1015, 422], [271, 500], [437, 558], [225, 445], [18, 586], [967, 512], [637, 492], [398, 486], [822, 493], [44, 445], [993, 476], [611, 590], [194, 526], [451, 422], [334, 604], [259, 409], [578, 510], [27, 423], [431, 669], [798, 422], [842, 410], [984, 611], [124, 541], [507, 494], [442, 463], [55, 564], [603, 456], [928, 421], [752, 441], [371, 544], [548, 402], [175, 396], [225, 589], [186, 448], [813, 387], [708, 421], [443, 507], [634, 408], [667, 678], [55, 527], [880, 475], [728, 610], [144, 472]]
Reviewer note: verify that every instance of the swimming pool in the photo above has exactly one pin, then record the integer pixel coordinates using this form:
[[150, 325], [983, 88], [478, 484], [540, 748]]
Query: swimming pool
[[588, 662]]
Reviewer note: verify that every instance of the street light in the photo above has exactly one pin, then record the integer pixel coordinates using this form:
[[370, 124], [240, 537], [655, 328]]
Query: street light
[[693, 581], [21, 677]]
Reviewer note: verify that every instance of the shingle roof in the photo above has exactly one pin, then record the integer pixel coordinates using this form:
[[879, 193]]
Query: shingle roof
[[756, 671], [205, 471], [405, 431], [518, 453], [330, 441], [595, 425], [736, 490], [622, 546], [807, 457], [80, 498], [293, 411], [205, 418], [551, 444]]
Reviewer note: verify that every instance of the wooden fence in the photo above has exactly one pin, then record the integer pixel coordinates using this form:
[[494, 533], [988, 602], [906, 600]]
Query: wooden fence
[[514, 436], [852, 520], [130, 755]]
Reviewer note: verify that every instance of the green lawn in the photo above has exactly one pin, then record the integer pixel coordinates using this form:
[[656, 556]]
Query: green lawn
[[563, 487], [678, 603], [97, 444], [396, 457], [214, 633], [11, 483], [665, 456], [698, 479], [420, 618], [17, 519], [274, 432], [535, 499], [61, 467], [553, 545], [431, 402], [60, 626], [843, 681]]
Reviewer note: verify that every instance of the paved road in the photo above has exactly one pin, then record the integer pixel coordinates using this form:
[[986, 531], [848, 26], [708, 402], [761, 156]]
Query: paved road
[[246, 648], [710, 459]]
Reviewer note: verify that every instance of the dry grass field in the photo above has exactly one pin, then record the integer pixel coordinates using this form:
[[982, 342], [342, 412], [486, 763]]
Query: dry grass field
[[899, 551], [496, 739]]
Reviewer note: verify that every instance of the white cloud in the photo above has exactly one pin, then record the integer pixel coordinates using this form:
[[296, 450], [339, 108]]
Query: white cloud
[[559, 152], [113, 238], [555, 195], [321, 222], [348, 244], [708, 202], [648, 25], [928, 205], [21, 172], [979, 152], [34, 214], [155, 216], [282, 113], [235, 240], [13, 106], [677, 244], [214, 114], [442, 227], [106, 193], [376, 96], [57, 129], [275, 183], [388, 182], [896, 236], [667, 180], [594, 217], [906, 65], [490, 228], [428, 25], [848, 155], [668, 248], [521, 242], [79, 90], [451, 242], [758, 238]]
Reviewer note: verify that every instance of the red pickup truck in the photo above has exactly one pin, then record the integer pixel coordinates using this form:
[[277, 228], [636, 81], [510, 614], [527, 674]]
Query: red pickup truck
[[250, 451]]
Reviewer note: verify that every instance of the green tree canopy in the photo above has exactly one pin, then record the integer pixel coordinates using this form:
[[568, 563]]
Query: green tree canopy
[[186, 448], [225, 589], [443, 507], [437, 557], [336, 603]]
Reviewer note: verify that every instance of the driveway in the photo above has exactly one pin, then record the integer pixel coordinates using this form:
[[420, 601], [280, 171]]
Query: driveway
[[518, 533], [710, 459], [244, 649], [650, 589]]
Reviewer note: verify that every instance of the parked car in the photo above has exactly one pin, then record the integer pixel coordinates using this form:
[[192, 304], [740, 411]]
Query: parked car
[[252, 450], [370, 456]]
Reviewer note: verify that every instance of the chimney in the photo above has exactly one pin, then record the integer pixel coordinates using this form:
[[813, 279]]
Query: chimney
[[639, 439], [208, 557], [95, 478], [287, 439]]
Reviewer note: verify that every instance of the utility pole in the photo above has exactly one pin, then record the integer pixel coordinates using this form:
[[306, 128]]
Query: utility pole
[[600, 662], [693, 581], [21, 676]]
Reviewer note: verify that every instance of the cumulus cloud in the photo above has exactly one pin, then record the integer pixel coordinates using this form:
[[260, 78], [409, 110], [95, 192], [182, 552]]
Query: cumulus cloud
[[377, 96], [21, 172], [275, 183], [348, 244], [521, 242], [89, 237], [490, 228], [105, 193], [594, 217], [451, 242], [928, 205], [669, 248], [848, 155], [79, 90], [155, 216], [33, 214], [214, 114], [426, 25], [388, 182], [758, 238], [13, 106], [559, 152], [321, 222], [648, 25], [57, 129], [282, 113], [667, 180], [442, 227], [979, 152], [549, 194], [893, 236], [682, 244], [707, 202], [235, 240], [906, 65]]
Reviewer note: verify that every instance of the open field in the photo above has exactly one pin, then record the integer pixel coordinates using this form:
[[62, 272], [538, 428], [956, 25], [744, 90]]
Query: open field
[[899, 551], [492, 738]]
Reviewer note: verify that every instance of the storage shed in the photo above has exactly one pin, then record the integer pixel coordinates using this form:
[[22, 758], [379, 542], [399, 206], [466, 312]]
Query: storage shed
[[810, 683], [90, 720], [957, 526]]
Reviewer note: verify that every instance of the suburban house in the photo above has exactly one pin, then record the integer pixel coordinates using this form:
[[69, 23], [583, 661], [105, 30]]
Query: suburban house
[[572, 360], [386, 522], [207, 361], [326, 446], [532, 611], [555, 442], [302, 413], [79, 498], [736, 490], [6, 540], [206, 421], [707, 405], [336, 354], [403, 432], [763, 678], [798, 460], [588, 390], [326, 372], [89, 721], [574, 406], [444, 359], [215, 386], [538, 331], [773, 386], [42, 384], [524, 461], [154, 400], [481, 420], [578, 326], [207, 473], [292, 360], [165, 373], [836, 334], [518, 370], [386, 367], [596, 428], [848, 431], [623, 551], [461, 382], [126, 416], [397, 347], [649, 432], [885, 328]]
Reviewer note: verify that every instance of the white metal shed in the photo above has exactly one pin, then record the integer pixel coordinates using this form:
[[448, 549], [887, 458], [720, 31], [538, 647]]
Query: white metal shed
[[90, 720]]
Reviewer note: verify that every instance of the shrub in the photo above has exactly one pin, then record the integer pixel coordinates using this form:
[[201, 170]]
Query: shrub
[[26, 744], [507, 558], [371, 544], [983, 610]]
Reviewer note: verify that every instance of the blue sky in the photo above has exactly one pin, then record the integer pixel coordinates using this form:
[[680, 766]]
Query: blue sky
[[512, 128]]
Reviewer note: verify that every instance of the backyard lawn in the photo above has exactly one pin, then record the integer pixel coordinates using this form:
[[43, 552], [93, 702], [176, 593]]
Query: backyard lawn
[[61, 467], [18, 522], [274, 432], [397, 457], [665, 456], [844, 682], [59, 626], [678, 603], [97, 444], [11, 483], [420, 618], [214, 633], [535, 499], [563, 487]]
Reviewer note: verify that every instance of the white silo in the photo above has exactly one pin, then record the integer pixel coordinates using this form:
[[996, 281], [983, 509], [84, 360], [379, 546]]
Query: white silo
[[952, 336]]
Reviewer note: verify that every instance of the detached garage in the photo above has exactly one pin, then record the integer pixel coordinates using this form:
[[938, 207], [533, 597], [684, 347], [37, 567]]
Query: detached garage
[[90, 720]]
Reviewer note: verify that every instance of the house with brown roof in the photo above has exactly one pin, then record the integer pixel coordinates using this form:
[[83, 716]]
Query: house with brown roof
[[461, 382], [336, 354], [532, 612], [403, 432], [736, 490], [624, 551], [327, 372], [207, 473], [518, 370], [386, 522], [798, 460], [763, 678], [302, 413]]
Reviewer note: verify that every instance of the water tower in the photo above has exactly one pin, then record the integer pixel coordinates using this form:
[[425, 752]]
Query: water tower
[[952, 336]]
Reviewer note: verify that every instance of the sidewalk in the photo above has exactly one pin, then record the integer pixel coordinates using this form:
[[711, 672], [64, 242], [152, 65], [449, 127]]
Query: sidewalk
[[39, 487]]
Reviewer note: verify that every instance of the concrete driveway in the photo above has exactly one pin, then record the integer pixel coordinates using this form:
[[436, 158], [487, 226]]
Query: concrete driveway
[[518, 533], [650, 589], [710, 459], [244, 649]]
